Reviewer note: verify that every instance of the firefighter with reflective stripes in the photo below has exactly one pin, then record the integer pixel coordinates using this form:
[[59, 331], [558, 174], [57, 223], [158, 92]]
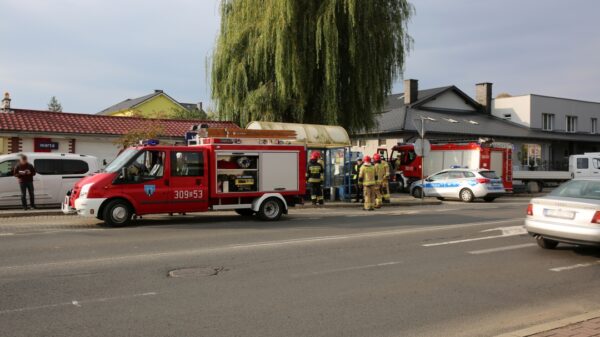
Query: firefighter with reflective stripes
[[383, 173], [367, 178], [378, 171], [315, 177]]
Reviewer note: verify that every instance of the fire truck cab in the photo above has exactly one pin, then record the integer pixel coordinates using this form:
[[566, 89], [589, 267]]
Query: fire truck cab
[[406, 166], [244, 172]]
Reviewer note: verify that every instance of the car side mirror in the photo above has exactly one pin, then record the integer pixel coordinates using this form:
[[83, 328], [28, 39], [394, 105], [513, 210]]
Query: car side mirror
[[428, 179], [123, 173]]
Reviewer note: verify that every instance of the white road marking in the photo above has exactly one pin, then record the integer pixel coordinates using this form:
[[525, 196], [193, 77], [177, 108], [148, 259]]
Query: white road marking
[[78, 304], [368, 266], [575, 266], [506, 232], [6, 234], [277, 243], [501, 249]]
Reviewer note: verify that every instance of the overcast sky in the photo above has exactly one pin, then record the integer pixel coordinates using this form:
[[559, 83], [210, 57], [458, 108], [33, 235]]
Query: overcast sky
[[94, 53]]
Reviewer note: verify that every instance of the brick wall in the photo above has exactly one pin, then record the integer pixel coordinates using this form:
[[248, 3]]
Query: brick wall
[[15, 145], [72, 145]]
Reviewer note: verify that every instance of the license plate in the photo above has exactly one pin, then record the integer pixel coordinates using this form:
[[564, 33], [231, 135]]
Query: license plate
[[558, 213]]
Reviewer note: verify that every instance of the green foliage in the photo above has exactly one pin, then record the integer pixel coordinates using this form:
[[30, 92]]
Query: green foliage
[[54, 105], [308, 61], [193, 113]]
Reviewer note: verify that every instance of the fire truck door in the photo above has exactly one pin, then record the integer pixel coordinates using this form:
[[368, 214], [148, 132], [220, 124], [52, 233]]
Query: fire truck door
[[188, 183]]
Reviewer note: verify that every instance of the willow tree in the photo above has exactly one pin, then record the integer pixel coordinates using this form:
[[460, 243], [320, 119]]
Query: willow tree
[[308, 61]]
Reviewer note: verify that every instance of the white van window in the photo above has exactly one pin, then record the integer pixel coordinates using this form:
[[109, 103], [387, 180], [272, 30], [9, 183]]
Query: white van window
[[6, 168], [596, 162], [582, 163], [60, 166]]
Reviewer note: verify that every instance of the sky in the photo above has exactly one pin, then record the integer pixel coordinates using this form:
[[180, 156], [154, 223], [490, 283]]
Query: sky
[[91, 54]]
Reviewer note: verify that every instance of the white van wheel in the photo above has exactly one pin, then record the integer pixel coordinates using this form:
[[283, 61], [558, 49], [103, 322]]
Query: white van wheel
[[271, 209]]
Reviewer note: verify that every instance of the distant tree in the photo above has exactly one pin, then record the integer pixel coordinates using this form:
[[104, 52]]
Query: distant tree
[[309, 61], [193, 113], [54, 105], [503, 95]]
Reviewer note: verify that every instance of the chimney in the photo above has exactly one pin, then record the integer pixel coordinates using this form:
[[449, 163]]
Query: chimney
[[411, 91], [6, 103], [158, 91], [483, 96], [199, 106]]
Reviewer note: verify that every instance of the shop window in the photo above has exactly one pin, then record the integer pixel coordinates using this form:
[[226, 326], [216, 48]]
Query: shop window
[[571, 124], [547, 122]]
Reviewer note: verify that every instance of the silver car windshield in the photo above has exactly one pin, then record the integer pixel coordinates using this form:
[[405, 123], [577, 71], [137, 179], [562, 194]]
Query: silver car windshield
[[121, 160], [582, 189]]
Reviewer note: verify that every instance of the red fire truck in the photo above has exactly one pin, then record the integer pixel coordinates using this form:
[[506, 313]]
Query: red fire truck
[[406, 165], [250, 171]]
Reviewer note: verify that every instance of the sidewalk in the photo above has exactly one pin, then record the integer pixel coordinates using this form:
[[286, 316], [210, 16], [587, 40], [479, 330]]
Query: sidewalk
[[585, 325], [398, 200]]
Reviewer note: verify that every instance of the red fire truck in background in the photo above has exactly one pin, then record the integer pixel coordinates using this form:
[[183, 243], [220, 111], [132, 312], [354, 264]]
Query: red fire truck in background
[[250, 171], [406, 165]]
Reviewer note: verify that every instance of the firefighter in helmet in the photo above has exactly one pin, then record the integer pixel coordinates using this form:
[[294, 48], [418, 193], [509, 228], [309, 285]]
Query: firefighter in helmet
[[378, 171], [355, 183], [383, 175], [314, 177], [367, 178]]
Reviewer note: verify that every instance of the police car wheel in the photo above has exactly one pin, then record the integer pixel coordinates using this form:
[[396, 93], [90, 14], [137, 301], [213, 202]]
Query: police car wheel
[[270, 209], [417, 192], [117, 213], [546, 243], [466, 195], [244, 211]]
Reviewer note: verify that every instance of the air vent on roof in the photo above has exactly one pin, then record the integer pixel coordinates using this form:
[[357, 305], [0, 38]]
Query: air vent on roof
[[472, 122], [450, 120]]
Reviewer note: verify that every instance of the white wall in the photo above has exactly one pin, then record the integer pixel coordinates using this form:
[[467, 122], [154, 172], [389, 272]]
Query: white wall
[[372, 144], [519, 107], [449, 100], [103, 149]]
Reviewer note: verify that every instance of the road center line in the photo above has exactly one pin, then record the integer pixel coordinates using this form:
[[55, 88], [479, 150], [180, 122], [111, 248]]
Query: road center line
[[75, 303], [501, 249], [368, 266], [575, 266], [308, 240]]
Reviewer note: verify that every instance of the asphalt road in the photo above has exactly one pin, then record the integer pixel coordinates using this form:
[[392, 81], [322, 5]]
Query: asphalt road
[[450, 270]]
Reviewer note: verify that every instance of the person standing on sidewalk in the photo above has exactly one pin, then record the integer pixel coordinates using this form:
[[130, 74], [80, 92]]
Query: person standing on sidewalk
[[314, 176], [355, 183], [367, 178], [385, 180], [24, 173], [378, 176]]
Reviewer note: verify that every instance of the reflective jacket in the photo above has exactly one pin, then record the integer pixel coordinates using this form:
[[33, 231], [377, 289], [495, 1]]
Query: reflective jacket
[[314, 172], [383, 171], [367, 175], [355, 171]]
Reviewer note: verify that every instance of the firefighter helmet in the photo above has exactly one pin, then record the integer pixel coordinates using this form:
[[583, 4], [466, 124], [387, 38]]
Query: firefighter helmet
[[315, 155], [376, 157], [367, 159]]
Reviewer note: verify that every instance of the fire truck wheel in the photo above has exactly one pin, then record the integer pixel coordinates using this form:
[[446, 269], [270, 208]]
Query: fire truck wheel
[[466, 195], [117, 213], [270, 210], [416, 192], [244, 212]]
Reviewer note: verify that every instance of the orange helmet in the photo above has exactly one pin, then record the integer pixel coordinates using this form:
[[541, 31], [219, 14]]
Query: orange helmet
[[315, 155], [377, 157], [367, 159]]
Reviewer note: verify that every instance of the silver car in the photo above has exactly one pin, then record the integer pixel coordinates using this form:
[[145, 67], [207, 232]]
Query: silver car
[[570, 213], [461, 183]]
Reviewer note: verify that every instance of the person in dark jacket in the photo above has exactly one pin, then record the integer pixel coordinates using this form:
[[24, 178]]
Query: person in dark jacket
[[24, 173], [357, 187], [314, 177]]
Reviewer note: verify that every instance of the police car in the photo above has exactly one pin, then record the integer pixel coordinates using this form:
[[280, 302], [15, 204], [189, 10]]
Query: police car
[[464, 184]]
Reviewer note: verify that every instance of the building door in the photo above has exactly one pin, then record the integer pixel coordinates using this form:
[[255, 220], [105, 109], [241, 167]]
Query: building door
[[189, 180]]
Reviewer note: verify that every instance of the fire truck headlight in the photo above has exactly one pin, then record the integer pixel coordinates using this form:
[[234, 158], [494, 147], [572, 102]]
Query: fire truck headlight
[[85, 189]]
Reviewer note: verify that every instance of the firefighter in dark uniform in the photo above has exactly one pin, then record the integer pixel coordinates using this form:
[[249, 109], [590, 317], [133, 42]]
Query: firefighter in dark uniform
[[355, 182], [315, 177]]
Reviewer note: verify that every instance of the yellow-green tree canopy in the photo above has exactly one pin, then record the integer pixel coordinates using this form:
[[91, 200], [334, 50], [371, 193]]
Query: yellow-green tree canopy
[[308, 61]]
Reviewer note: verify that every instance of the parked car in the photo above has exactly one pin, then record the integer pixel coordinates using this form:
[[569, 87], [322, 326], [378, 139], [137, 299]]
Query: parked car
[[56, 174], [461, 183], [570, 214]]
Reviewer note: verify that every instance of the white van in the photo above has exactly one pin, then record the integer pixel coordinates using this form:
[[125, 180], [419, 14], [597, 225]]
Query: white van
[[585, 165], [56, 174]]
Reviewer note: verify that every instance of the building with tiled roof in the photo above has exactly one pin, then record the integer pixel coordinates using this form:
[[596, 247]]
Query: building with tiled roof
[[157, 104], [24, 130]]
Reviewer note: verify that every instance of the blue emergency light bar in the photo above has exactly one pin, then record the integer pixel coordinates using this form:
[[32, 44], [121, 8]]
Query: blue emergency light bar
[[150, 142]]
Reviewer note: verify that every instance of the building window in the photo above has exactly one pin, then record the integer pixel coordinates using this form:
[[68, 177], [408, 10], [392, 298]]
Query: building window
[[507, 116], [355, 142], [362, 142], [381, 142], [571, 124], [547, 122], [594, 125]]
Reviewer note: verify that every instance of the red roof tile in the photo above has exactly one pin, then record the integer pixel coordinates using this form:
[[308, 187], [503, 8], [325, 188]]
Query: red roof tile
[[37, 121]]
